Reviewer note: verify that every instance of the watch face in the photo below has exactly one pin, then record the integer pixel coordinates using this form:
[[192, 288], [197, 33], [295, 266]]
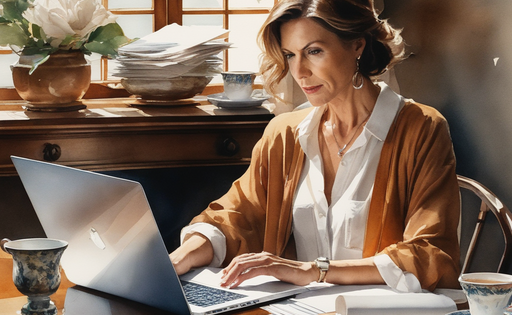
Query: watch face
[[322, 263]]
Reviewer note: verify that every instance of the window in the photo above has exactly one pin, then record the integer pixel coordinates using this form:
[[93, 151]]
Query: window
[[140, 17]]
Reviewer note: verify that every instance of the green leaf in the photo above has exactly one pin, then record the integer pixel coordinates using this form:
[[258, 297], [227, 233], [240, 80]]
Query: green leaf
[[107, 32], [37, 31], [68, 40], [12, 10], [105, 40], [35, 50], [23, 4], [44, 56], [12, 34], [104, 49]]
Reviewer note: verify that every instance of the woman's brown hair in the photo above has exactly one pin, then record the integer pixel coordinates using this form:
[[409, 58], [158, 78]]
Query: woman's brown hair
[[348, 19]]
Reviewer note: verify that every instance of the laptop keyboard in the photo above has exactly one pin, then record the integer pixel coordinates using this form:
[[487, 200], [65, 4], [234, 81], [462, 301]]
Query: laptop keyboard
[[204, 296]]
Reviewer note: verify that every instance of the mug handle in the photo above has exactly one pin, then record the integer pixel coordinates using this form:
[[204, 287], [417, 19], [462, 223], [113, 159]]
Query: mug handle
[[3, 242]]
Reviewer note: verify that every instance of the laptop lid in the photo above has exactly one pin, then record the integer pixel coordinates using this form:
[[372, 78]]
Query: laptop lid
[[114, 242]]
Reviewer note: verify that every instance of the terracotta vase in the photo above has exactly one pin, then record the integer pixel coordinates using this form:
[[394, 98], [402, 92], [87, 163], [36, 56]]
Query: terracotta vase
[[57, 84]]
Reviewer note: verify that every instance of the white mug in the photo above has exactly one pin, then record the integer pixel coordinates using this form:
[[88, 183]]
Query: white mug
[[488, 293], [238, 85]]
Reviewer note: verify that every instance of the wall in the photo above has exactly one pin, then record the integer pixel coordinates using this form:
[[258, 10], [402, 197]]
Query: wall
[[461, 64]]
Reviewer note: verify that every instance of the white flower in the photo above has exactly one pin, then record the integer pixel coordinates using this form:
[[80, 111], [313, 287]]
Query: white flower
[[62, 18]]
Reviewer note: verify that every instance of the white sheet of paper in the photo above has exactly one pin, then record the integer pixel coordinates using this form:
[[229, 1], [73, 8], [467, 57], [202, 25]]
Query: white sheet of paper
[[172, 39], [324, 299], [369, 303]]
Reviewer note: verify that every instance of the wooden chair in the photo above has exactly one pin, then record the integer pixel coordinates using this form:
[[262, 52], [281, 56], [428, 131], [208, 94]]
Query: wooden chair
[[485, 242]]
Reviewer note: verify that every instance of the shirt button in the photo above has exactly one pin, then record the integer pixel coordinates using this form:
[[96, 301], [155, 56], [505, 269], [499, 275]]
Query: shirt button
[[321, 214]]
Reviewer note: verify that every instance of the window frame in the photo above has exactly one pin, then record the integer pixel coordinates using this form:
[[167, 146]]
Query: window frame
[[164, 12]]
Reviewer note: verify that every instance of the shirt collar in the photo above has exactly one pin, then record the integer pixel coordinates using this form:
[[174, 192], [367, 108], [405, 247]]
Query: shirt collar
[[384, 113]]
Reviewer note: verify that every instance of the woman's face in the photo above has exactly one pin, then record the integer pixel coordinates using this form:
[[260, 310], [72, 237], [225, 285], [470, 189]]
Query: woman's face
[[319, 61]]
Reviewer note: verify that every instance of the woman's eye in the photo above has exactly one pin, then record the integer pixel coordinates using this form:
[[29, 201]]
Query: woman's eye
[[288, 56], [314, 51]]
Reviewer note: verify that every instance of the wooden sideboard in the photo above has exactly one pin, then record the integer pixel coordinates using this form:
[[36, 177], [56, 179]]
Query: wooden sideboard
[[201, 145]]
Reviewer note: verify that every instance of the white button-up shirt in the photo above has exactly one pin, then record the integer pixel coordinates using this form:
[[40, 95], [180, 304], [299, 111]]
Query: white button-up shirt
[[337, 230]]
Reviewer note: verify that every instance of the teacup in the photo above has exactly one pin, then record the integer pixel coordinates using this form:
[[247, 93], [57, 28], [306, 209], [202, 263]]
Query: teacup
[[36, 271], [488, 293], [238, 84]]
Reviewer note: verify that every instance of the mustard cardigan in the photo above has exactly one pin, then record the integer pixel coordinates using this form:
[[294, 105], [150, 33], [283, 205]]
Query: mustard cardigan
[[414, 211]]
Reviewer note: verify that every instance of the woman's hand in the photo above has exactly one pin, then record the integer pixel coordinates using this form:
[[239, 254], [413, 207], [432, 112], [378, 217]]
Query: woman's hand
[[248, 266], [196, 251]]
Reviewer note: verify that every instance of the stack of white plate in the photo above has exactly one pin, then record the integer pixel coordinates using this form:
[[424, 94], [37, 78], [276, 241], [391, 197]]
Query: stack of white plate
[[172, 63]]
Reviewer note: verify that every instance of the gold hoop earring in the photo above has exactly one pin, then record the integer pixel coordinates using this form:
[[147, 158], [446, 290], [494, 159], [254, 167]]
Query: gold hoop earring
[[357, 78]]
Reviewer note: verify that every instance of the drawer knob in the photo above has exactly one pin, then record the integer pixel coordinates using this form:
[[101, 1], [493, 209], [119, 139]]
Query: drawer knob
[[51, 152], [228, 147]]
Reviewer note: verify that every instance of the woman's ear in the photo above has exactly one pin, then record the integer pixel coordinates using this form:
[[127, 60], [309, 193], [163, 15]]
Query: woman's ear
[[359, 45]]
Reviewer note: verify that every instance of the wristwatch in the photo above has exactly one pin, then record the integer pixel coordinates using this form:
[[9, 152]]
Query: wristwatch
[[322, 263]]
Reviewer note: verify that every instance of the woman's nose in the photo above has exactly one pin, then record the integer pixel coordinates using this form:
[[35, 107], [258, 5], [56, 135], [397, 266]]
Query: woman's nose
[[301, 69]]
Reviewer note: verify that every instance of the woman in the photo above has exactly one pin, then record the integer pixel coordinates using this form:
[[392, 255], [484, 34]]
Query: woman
[[359, 189]]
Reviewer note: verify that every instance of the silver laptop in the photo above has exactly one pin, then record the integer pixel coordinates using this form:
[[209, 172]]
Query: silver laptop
[[115, 245]]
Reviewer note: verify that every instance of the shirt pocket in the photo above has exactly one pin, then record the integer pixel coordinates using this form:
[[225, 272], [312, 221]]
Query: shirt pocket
[[356, 214]]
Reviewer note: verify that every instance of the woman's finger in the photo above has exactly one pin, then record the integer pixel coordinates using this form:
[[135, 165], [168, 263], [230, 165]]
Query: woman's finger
[[248, 274], [242, 264]]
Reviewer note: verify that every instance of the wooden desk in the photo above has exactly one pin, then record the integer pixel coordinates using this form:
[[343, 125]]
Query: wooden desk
[[98, 303], [113, 135], [11, 300]]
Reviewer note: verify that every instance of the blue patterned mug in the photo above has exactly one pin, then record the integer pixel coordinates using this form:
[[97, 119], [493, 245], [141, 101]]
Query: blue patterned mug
[[238, 84], [488, 293], [36, 271]]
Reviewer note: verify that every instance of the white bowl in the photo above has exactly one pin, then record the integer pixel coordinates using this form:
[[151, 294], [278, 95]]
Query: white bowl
[[166, 88]]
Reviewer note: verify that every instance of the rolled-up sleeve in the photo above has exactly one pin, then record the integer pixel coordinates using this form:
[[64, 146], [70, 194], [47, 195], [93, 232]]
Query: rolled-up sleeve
[[213, 234]]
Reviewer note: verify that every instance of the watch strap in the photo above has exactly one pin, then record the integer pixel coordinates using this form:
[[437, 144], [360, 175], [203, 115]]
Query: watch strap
[[323, 274], [322, 264]]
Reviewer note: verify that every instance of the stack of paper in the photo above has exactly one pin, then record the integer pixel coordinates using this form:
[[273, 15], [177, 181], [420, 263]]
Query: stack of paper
[[173, 51]]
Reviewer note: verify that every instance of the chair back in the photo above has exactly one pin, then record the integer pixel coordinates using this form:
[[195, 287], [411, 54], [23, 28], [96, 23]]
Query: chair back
[[485, 249]]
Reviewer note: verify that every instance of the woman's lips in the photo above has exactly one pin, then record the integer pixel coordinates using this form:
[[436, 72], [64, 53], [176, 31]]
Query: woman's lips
[[311, 89]]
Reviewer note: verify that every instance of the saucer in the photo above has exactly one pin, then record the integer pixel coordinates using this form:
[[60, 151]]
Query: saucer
[[461, 312], [221, 100]]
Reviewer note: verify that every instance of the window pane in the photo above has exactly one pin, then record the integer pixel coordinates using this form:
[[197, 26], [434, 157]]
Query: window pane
[[6, 60], [202, 19], [130, 4], [246, 4], [202, 4], [137, 25], [94, 59], [245, 52], [112, 64]]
